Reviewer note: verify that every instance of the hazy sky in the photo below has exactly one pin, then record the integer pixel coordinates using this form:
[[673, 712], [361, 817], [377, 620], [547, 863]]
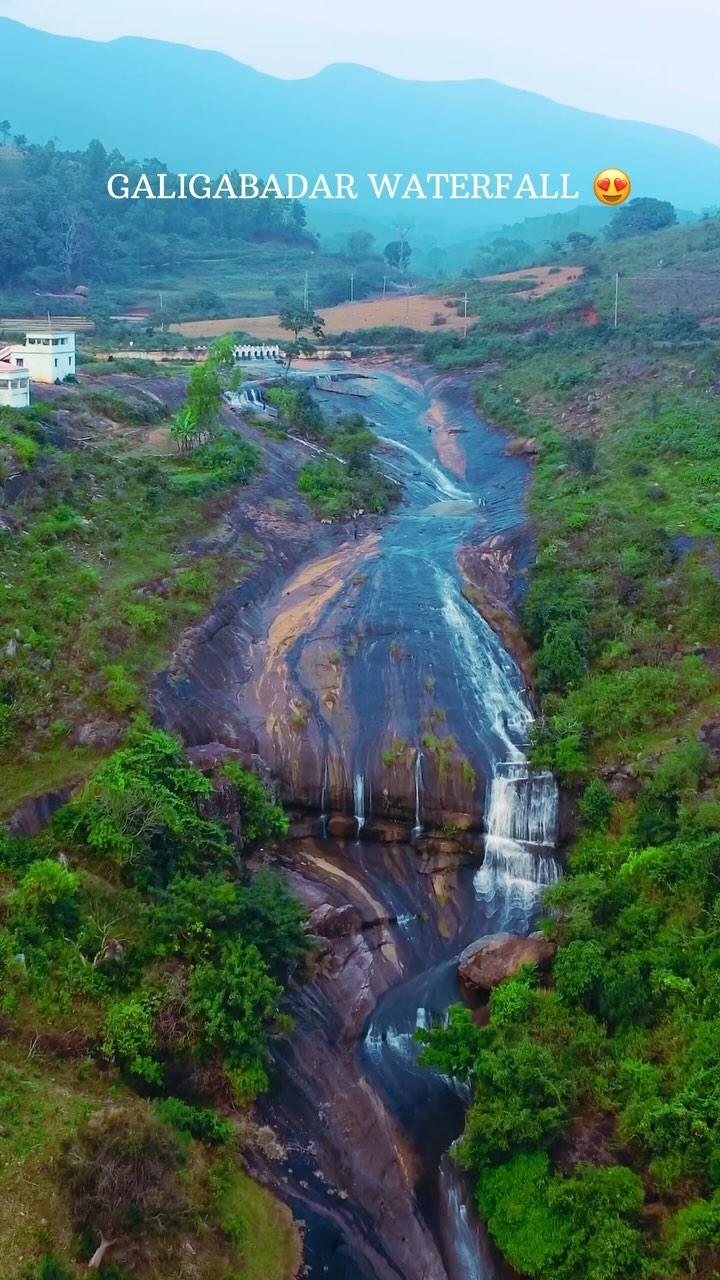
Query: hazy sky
[[653, 60]]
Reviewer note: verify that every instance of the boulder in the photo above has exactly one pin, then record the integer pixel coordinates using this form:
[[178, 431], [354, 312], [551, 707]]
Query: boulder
[[35, 813], [525, 445], [98, 734], [489, 960], [328, 921]]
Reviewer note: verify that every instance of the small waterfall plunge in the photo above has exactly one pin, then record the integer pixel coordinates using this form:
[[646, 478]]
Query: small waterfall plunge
[[417, 829], [252, 396], [436, 477], [521, 819], [324, 800], [359, 798], [466, 1248]]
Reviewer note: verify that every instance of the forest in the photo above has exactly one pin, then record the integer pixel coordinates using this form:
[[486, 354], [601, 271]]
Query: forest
[[58, 225]]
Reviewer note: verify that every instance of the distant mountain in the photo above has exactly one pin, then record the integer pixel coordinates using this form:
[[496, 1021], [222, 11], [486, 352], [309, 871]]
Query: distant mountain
[[198, 110]]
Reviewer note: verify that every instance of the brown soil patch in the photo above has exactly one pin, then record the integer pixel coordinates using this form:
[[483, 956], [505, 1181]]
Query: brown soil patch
[[416, 311], [545, 279]]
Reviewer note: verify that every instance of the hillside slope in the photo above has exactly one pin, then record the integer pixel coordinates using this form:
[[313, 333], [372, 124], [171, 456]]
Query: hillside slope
[[592, 1137]]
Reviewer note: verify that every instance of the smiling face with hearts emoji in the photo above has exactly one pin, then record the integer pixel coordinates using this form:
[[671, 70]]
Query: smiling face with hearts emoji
[[611, 186]]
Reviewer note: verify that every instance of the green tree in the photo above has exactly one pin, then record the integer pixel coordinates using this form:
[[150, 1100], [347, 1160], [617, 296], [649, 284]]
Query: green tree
[[595, 805], [129, 1035], [639, 216], [297, 320], [142, 808], [397, 254], [47, 895], [360, 244], [600, 1209], [196, 422], [235, 1001]]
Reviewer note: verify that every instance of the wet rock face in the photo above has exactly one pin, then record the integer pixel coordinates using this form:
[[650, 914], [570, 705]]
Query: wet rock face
[[349, 1170], [487, 962]]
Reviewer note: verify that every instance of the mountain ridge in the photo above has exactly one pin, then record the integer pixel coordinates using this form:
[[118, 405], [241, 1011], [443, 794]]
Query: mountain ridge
[[204, 110]]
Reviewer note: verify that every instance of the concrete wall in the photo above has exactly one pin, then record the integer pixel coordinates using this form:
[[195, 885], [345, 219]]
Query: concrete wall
[[14, 390]]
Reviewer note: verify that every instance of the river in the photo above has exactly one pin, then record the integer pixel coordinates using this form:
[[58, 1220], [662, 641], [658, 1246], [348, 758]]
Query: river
[[396, 726], [424, 666]]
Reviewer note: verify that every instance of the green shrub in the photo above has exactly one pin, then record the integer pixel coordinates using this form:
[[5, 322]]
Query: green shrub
[[235, 1001], [262, 818], [130, 1037], [595, 805], [141, 807], [200, 1122], [47, 895]]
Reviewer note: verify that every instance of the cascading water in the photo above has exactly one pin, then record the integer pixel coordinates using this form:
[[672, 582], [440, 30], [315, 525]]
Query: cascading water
[[521, 820], [323, 800], [359, 798], [433, 473], [417, 829], [466, 1250]]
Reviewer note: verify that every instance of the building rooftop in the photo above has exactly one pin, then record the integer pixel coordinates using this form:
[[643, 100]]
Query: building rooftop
[[49, 332]]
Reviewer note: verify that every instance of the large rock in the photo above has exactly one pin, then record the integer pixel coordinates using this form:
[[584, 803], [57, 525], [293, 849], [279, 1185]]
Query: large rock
[[100, 735], [488, 961], [327, 921]]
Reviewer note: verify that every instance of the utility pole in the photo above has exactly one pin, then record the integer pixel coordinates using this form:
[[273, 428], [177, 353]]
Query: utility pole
[[384, 287], [162, 315], [352, 286], [306, 294], [617, 297], [465, 302]]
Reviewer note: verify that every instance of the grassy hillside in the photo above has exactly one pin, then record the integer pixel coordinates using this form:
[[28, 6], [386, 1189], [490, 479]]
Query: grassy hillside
[[141, 960], [112, 543], [593, 1132]]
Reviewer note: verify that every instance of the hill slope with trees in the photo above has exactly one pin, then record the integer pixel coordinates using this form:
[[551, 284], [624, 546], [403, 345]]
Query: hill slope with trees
[[593, 1133]]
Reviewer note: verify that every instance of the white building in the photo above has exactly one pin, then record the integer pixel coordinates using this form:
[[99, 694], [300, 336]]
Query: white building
[[261, 351], [14, 387], [47, 354]]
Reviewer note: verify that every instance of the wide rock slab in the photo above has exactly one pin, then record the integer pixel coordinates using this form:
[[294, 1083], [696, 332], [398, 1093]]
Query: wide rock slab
[[491, 959]]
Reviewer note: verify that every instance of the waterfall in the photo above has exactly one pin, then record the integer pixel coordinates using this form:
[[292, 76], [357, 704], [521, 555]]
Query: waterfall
[[521, 821], [491, 688], [417, 829], [359, 796], [465, 1245], [251, 396], [522, 805], [436, 476], [323, 801]]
